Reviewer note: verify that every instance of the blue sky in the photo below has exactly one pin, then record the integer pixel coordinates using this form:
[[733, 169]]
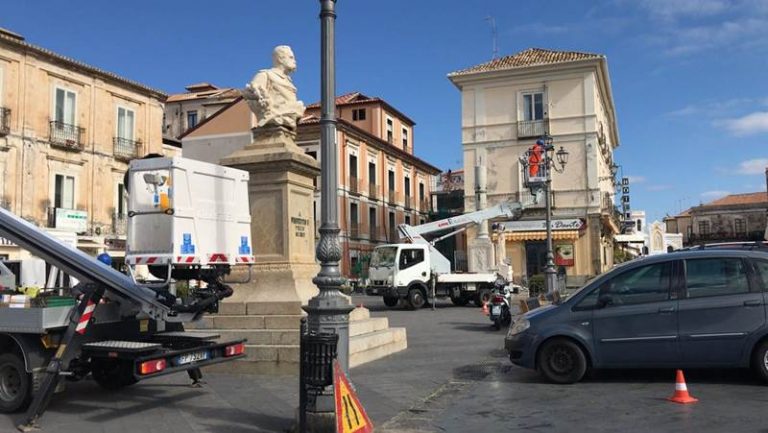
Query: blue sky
[[688, 76]]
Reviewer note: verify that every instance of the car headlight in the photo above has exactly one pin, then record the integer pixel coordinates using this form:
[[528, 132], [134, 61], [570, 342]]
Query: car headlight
[[519, 326]]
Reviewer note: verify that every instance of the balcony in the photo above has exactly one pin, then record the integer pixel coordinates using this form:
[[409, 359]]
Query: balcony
[[373, 232], [373, 191], [119, 224], [5, 121], [125, 149], [66, 136], [425, 205], [354, 230], [392, 197], [408, 202], [353, 185], [532, 128], [527, 199]]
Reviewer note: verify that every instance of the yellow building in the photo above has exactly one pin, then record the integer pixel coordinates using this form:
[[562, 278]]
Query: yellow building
[[67, 133], [507, 104]]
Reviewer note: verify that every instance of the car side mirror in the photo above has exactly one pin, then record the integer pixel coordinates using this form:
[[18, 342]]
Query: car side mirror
[[604, 301]]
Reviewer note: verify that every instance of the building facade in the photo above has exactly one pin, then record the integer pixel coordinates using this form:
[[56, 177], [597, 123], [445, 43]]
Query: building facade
[[381, 182], [733, 218], [510, 102], [67, 133], [183, 111]]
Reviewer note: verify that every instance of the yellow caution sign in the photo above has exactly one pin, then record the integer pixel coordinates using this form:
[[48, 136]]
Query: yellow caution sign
[[350, 415]]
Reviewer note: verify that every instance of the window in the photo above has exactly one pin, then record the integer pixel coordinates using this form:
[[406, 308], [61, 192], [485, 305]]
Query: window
[[407, 186], [358, 114], [391, 180], [372, 173], [120, 205], [703, 227], [390, 130], [313, 154], [639, 225], [392, 227], [125, 122], [713, 277], [421, 191], [761, 266], [353, 166], [533, 106], [64, 108], [408, 219], [191, 119], [740, 226], [353, 217], [410, 257], [405, 138], [372, 218], [64, 192], [645, 284]]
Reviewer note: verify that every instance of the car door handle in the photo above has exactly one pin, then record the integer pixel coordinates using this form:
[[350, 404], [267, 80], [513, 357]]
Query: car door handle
[[667, 310], [753, 303]]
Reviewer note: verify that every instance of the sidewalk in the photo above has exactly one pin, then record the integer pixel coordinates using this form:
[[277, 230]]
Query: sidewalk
[[444, 344]]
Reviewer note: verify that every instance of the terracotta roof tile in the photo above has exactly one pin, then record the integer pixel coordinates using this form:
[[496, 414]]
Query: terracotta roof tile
[[740, 199], [528, 58], [347, 98]]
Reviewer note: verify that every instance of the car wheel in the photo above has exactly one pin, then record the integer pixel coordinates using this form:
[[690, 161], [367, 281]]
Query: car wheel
[[483, 296], [760, 361], [391, 301], [15, 383], [562, 361], [416, 299], [112, 374]]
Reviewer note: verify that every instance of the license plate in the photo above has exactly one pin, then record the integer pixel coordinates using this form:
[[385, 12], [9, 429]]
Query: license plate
[[191, 357], [496, 310]]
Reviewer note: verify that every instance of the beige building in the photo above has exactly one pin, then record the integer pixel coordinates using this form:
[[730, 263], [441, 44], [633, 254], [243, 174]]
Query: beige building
[[733, 218], [510, 102], [67, 133], [381, 182], [183, 111]]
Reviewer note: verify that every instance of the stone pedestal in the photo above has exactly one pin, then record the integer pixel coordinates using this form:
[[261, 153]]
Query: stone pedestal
[[480, 255], [281, 194], [267, 309]]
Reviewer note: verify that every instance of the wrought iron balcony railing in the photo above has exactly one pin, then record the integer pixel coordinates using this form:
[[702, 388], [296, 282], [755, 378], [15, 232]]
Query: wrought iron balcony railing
[[353, 185], [408, 202], [5, 121], [532, 128], [373, 232], [119, 224], [373, 191], [126, 149], [354, 230], [66, 136], [392, 196]]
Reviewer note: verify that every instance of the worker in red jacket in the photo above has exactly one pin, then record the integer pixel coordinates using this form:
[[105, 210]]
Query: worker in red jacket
[[535, 159]]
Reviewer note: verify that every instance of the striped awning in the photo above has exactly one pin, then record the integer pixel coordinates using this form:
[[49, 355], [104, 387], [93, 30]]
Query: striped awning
[[540, 235]]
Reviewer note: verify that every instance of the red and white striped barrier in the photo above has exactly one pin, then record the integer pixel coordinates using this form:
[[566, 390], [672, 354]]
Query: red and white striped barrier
[[85, 318]]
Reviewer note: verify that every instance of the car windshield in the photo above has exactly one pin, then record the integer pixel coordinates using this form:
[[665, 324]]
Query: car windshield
[[383, 257]]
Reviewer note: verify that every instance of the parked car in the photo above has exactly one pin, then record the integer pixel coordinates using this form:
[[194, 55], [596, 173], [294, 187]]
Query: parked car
[[694, 308]]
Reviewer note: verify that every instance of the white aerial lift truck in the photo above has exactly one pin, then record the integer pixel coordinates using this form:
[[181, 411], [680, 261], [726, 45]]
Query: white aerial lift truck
[[416, 271], [187, 220]]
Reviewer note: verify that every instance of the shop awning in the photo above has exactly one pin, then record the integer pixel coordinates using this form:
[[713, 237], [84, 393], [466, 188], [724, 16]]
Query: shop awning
[[540, 235]]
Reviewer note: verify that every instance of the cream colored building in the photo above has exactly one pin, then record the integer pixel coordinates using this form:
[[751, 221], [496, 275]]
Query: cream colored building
[[510, 102], [184, 111], [67, 133], [381, 182]]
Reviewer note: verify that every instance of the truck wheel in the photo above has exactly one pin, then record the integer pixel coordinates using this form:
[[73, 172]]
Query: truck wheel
[[112, 374], [416, 299], [15, 383], [561, 361], [483, 296], [459, 300], [391, 301]]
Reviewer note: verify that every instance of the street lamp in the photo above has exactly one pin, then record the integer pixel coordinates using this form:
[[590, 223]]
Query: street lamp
[[538, 163]]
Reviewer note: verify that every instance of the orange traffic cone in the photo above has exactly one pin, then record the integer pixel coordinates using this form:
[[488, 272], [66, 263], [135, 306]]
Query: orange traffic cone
[[681, 391], [485, 308]]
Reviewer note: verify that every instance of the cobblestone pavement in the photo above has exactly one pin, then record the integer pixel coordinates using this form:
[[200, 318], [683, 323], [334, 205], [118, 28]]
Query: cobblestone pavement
[[454, 377]]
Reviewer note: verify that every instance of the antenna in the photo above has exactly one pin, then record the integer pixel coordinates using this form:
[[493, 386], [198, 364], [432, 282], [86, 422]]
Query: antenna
[[492, 21]]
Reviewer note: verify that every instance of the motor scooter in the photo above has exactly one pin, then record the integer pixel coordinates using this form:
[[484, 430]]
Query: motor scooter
[[499, 304]]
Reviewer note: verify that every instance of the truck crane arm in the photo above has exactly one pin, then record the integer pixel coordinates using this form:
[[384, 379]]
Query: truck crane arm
[[510, 210]]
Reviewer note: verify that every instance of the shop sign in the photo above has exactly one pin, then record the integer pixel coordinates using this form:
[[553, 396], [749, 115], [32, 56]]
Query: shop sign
[[564, 255], [534, 225], [71, 220]]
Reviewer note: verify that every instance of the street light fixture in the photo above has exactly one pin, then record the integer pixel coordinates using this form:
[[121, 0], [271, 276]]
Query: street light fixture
[[538, 163]]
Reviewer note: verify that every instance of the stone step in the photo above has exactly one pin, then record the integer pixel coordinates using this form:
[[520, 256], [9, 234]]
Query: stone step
[[235, 308], [365, 326], [288, 353], [220, 322], [375, 345], [258, 336]]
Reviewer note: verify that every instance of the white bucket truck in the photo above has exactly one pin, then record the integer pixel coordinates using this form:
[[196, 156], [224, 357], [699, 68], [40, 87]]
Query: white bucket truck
[[416, 271]]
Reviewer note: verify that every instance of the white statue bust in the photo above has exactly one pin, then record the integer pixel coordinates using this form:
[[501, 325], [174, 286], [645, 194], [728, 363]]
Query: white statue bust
[[271, 93]]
